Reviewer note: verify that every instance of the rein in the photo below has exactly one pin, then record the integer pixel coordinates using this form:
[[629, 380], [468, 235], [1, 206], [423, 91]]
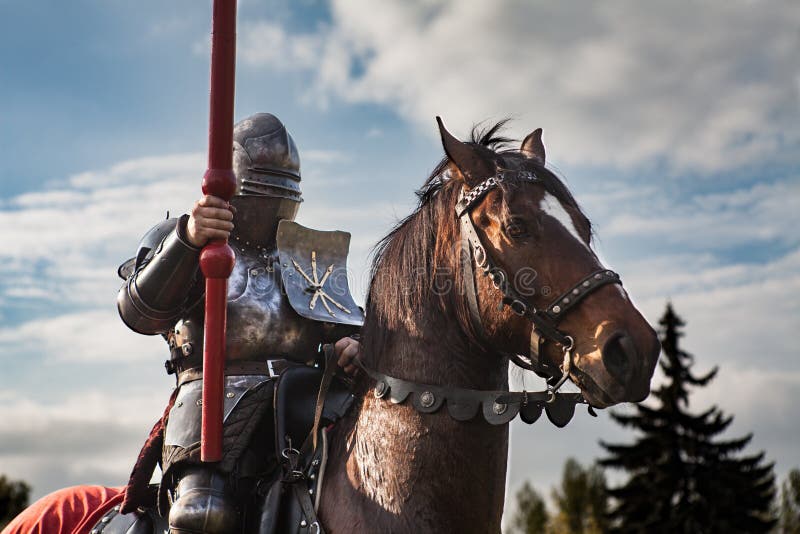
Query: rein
[[500, 407]]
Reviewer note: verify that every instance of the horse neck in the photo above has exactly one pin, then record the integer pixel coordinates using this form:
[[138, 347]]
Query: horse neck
[[413, 471]]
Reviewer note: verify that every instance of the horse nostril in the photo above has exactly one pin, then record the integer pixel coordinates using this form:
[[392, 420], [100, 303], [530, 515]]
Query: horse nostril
[[619, 353]]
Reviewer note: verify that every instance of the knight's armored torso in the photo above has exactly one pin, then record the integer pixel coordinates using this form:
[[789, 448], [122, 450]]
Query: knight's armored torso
[[275, 310], [263, 320]]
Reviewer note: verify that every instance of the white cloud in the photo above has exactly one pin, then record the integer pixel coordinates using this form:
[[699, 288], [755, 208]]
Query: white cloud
[[82, 336], [89, 437], [265, 43], [759, 213], [324, 156], [704, 86]]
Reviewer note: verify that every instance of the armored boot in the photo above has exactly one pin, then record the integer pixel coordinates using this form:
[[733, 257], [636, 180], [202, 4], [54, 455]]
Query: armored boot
[[201, 504]]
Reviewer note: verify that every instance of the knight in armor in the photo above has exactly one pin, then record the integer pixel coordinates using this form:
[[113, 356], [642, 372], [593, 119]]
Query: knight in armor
[[281, 309]]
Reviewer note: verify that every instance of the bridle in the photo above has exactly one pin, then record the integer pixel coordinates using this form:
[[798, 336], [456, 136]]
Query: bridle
[[499, 407], [544, 322]]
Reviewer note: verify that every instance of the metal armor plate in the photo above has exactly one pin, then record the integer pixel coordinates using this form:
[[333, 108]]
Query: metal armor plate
[[183, 424], [261, 324], [314, 267]]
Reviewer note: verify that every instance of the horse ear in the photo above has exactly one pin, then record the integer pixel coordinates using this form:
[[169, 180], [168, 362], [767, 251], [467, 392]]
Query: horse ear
[[533, 147], [473, 167]]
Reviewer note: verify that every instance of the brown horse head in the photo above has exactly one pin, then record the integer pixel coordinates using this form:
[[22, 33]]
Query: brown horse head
[[537, 235]]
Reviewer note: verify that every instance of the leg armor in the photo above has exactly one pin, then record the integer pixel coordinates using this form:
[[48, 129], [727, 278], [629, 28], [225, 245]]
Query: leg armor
[[202, 498], [202, 505]]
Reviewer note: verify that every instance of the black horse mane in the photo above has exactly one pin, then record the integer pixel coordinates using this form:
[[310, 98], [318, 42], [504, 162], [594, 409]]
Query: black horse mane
[[417, 256]]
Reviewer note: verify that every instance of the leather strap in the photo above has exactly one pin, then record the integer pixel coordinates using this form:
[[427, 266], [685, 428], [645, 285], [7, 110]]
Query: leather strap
[[498, 406], [567, 300], [301, 494], [471, 290], [327, 377]]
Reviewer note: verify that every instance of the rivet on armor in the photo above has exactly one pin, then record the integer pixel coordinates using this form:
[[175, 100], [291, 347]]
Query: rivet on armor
[[427, 399], [499, 408], [565, 301], [199, 402], [312, 476], [597, 276], [117, 508], [230, 394], [556, 309], [380, 389], [186, 349], [586, 283], [253, 272], [303, 522], [610, 273], [576, 291], [105, 519], [315, 463], [311, 492]]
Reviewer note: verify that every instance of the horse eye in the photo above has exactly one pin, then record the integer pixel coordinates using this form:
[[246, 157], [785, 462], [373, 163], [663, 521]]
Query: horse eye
[[515, 229]]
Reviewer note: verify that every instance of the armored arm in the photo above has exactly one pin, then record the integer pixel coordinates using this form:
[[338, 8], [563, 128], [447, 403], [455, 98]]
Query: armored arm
[[160, 280]]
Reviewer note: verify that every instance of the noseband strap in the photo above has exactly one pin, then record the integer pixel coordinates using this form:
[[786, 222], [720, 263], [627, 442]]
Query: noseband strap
[[544, 322]]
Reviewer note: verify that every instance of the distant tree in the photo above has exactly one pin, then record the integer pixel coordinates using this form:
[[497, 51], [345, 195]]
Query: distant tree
[[13, 499], [581, 500], [531, 516], [682, 478], [790, 504]]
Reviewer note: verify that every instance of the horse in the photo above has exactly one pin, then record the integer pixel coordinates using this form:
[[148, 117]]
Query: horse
[[460, 288], [394, 469]]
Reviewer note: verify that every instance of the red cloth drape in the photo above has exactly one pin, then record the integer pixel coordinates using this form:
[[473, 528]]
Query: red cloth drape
[[72, 510]]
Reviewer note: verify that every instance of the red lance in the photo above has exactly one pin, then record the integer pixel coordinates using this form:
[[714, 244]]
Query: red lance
[[216, 259]]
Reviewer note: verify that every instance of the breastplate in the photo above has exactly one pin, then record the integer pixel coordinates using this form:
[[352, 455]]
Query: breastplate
[[261, 322]]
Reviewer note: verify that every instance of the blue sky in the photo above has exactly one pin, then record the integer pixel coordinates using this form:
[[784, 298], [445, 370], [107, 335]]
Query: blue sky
[[675, 124]]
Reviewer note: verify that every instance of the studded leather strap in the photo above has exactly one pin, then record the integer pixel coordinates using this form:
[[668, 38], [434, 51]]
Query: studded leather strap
[[580, 291], [497, 407]]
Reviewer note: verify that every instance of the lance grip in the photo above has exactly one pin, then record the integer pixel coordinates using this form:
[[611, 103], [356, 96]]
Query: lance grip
[[217, 258]]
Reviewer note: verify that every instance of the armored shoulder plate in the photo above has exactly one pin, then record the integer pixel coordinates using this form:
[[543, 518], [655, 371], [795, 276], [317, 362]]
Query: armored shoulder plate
[[315, 273], [149, 241]]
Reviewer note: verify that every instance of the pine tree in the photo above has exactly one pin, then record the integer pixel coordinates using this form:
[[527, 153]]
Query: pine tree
[[682, 477], [790, 504], [13, 499], [531, 516], [581, 501]]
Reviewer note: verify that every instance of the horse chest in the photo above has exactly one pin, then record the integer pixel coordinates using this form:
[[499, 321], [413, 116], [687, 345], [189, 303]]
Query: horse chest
[[424, 473]]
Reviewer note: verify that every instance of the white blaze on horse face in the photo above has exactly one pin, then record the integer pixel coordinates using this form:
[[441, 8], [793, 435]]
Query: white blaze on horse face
[[552, 207]]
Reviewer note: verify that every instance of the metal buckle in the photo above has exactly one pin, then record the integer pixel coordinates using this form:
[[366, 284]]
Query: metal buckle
[[518, 307], [565, 367]]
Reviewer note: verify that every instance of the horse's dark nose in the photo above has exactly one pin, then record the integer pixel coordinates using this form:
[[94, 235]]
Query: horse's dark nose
[[619, 355]]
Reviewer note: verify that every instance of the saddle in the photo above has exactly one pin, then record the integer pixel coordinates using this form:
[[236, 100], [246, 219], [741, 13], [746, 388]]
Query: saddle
[[307, 400]]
